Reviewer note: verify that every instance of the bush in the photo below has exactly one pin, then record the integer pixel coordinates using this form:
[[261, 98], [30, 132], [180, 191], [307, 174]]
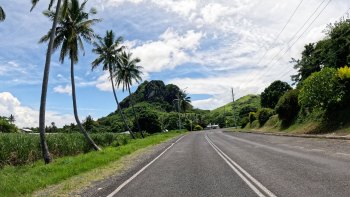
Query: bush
[[272, 94], [321, 90], [252, 117], [19, 148], [264, 114], [7, 127], [288, 107], [344, 73], [198, 128], [149, 122], [244, 121]]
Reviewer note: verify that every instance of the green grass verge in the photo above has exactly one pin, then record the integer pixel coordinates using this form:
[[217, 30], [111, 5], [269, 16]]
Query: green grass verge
[[24, 180]]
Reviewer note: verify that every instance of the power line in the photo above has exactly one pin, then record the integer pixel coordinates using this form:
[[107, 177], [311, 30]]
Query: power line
[[266, 71]]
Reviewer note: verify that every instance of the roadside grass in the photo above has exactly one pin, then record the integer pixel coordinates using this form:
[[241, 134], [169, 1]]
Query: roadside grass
[[24, 180]]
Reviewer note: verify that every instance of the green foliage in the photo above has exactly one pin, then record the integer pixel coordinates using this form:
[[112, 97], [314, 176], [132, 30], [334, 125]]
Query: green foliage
[[244, 121], [264, 114], [149, 122], [198, 128], [271, 95], [6, 126], [18, 148], [244, 112], [332, 51], [252, 117], [288, 107], [321, 90]]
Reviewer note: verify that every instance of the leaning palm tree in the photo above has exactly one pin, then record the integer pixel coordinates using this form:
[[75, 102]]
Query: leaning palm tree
[[2, 14], [107, 49], [185, 101], [128, 71], [74, 26], [44, 148]]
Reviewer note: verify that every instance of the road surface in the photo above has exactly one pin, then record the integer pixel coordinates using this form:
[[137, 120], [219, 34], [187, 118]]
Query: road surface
[[217, 163]]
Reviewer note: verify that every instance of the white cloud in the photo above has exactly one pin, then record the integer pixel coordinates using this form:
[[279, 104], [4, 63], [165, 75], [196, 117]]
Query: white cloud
[[169, 51], [63, 89], [103, 82], [26, 116]]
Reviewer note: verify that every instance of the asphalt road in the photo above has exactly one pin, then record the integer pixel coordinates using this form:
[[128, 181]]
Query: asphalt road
[[216, 163]]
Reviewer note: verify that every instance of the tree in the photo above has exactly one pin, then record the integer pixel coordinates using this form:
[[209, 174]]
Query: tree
[[74, 26], [288, 107], [128, 71], [12, 119], [2, 14], [108, 49], [6, 126], [272, 94], [149, 121], [185, 101], [44, 148]]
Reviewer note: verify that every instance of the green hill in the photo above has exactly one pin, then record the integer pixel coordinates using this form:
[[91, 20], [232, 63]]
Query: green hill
[[224, 114]]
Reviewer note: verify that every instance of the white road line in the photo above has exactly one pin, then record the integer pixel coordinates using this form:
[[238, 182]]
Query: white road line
[[346, 154], [142, 169], [227, 159]]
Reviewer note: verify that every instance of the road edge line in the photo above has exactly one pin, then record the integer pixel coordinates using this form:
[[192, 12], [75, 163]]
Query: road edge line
[[142, 169]]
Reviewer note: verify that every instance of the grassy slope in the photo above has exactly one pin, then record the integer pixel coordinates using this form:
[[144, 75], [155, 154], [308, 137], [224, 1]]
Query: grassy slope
[[248, 100], [24, 180]]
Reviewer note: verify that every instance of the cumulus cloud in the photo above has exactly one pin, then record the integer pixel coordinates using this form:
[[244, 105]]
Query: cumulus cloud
[[171, 50], [63, 89], [26, 116]]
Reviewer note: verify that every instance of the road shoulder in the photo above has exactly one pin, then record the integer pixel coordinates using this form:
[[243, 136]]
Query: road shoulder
[[106, 178]]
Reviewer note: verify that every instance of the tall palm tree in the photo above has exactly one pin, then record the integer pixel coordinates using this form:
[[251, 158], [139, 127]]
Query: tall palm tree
[[128, 71], [44, 148], [2, 14], [107, 49], [74, 26], [184, 100]]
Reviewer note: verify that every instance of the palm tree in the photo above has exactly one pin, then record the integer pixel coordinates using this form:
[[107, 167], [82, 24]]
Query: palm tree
[[74, 26], [185, 101], [2, 14], [44, 148], [107, 49], [128, 71]]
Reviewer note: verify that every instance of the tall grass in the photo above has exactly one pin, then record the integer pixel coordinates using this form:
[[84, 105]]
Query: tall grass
[[19, 149], [25, 179]]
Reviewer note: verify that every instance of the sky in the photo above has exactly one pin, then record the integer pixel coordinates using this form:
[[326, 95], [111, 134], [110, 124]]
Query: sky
[[205, 47]]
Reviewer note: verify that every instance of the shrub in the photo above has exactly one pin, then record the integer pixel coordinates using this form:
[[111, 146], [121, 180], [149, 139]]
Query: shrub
[[7, 127], [149, 122], [252, 117], [272, 94], [321, 90], [288, 107], [244, 121], [264, 114], [246, 110], [198, 128], [344, 73]]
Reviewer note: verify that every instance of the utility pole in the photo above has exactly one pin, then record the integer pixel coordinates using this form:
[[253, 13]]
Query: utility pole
[[233, 108]]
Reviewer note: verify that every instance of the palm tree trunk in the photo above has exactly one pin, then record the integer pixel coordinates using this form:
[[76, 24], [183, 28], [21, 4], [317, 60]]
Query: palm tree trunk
[[82, 130], [119, 108], [133, 110], [44, 148]]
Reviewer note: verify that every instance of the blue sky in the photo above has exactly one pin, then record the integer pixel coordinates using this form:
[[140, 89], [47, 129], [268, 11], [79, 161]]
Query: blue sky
[[204, 46]]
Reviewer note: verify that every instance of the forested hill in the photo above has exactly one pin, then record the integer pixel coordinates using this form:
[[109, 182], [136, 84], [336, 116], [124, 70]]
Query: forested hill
[[155, 92]]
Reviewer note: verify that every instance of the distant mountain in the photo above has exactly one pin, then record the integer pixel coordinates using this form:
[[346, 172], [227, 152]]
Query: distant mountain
[[249, 100], [154, 92]]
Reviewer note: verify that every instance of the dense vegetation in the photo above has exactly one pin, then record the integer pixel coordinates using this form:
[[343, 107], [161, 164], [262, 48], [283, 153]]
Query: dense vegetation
[[322, 93]]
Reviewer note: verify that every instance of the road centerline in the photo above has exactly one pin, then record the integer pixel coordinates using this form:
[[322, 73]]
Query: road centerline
[[248, 179]]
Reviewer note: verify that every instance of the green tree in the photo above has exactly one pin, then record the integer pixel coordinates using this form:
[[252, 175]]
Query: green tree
[[11, 119], [6, 126], [271, 95], [128, 71], [185, 101], [108, 50], [43, 144], [74, 26], [2, 14], [89, 123], [288, 107], [149, 121], [322, 90]]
